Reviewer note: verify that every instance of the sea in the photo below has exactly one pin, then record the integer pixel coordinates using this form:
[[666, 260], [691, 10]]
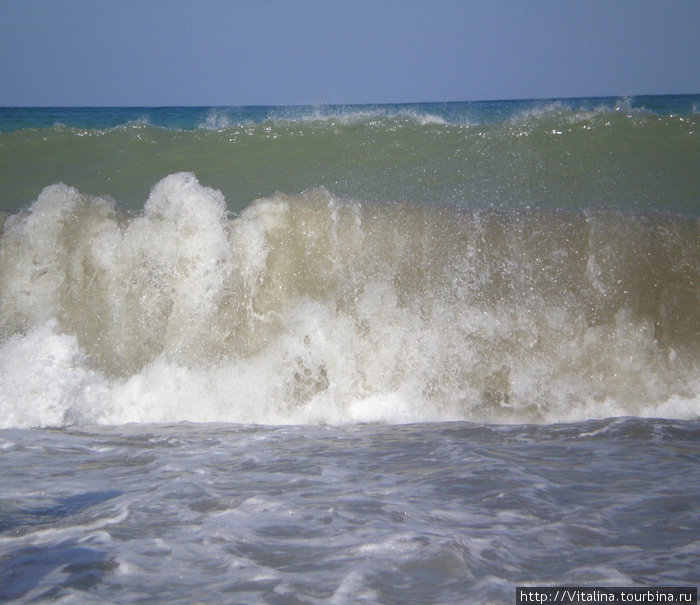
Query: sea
[[395, 354]]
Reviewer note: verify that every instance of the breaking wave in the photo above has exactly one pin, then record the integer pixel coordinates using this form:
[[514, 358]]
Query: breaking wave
[[312, 309]]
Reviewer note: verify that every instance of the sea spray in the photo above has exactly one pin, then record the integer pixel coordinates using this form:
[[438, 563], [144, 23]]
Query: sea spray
[[310, 308]]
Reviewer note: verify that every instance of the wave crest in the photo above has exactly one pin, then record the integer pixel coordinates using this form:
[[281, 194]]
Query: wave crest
[[308, 308]]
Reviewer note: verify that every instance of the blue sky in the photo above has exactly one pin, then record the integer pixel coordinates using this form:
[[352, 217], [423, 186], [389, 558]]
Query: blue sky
[[272, 52]]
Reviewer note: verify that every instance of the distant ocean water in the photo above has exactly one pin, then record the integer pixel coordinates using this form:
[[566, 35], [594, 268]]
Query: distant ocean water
[[384, 354]]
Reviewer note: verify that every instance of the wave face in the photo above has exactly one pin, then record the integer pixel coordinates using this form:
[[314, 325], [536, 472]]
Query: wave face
[[635, 155], [311, 308]]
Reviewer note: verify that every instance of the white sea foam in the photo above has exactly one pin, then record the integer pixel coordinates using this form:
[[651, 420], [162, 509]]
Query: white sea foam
[[351, 115], [306, 309]]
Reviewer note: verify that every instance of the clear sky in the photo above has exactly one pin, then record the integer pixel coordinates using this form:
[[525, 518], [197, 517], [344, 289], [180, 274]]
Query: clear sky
[[272, 52]]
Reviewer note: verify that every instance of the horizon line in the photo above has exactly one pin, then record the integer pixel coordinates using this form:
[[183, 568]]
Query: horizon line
[[355, 104]]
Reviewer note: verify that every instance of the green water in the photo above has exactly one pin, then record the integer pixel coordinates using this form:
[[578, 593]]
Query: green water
[[625, 160]]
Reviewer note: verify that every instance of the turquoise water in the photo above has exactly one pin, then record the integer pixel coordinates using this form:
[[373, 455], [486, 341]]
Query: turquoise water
[[192, 118]]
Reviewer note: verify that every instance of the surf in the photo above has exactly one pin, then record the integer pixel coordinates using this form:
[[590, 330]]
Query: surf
[[312, 308]]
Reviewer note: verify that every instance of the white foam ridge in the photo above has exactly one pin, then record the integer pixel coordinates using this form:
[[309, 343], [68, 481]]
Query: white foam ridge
[[573, 111], [307, 309], [351, 115]]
